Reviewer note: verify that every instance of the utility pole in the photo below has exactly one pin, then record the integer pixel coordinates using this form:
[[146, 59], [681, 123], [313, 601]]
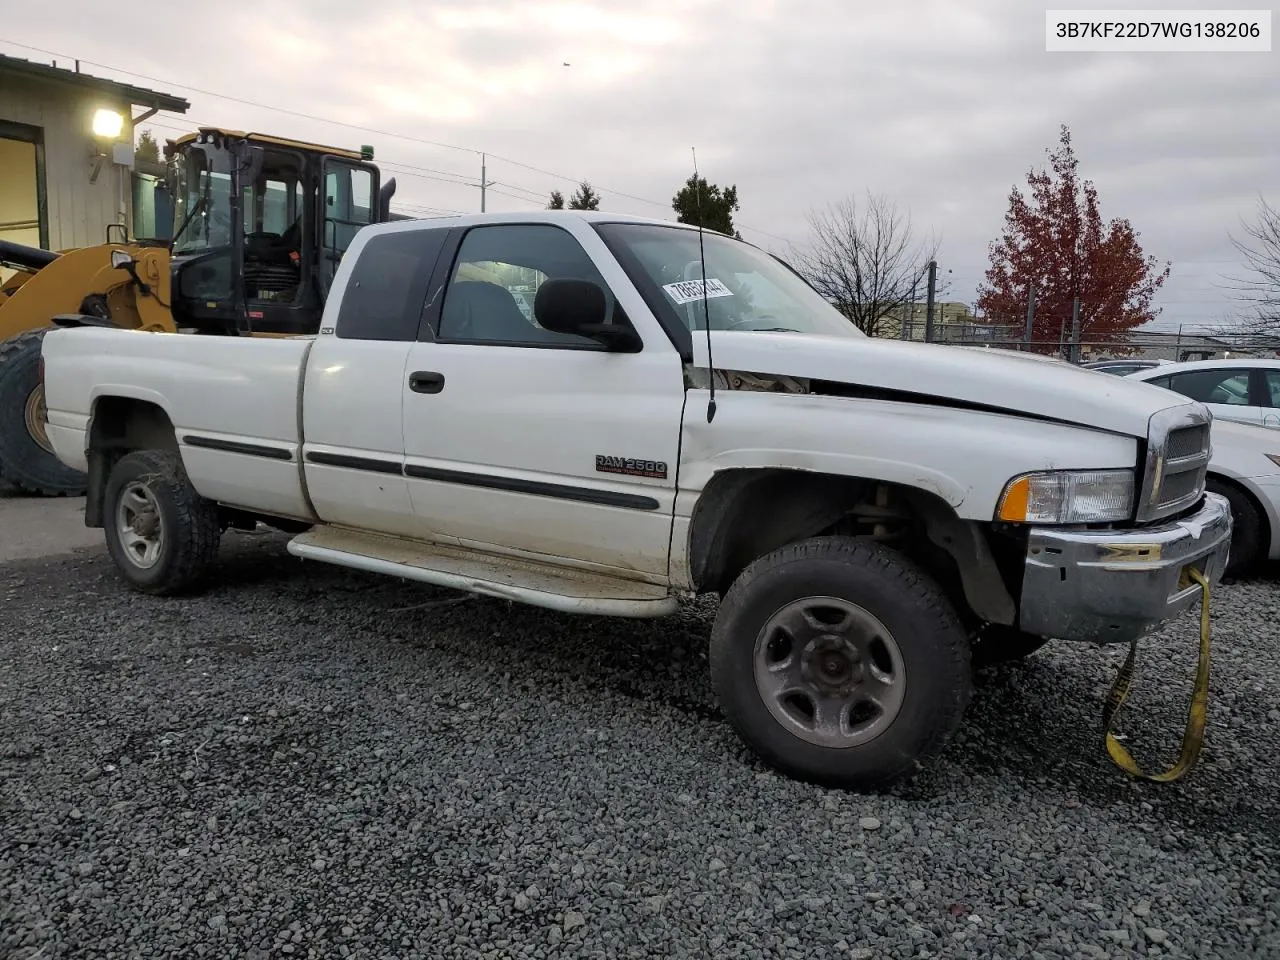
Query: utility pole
[[1074, 354], [1031, 314], [484, 181], [928, 310]]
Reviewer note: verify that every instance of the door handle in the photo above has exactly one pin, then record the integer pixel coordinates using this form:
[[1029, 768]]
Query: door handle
[[426, 381]]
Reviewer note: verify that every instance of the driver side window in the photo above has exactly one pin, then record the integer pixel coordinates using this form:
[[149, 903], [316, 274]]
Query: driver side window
[[493, 288]]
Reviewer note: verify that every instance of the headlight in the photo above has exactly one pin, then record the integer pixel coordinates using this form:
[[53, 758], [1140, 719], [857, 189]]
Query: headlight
[[1068, 496]]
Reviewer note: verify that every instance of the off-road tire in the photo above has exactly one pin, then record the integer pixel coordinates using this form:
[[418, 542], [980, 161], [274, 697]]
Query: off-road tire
[[913, 609], [1000, 643], [188, 522], [1246, 527], [24, 463]]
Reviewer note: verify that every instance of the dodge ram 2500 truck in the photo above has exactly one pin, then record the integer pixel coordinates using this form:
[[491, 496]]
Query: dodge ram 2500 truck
[[561, 409]]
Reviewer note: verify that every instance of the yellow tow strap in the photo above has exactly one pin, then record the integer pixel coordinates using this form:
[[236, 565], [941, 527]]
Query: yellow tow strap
[[1193, 736]]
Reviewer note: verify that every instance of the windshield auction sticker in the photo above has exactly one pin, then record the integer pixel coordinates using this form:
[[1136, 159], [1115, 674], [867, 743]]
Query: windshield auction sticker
[[687, 291]]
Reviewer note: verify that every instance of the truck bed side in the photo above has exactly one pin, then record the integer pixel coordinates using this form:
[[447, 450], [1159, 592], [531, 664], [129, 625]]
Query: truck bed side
[[232, 401]]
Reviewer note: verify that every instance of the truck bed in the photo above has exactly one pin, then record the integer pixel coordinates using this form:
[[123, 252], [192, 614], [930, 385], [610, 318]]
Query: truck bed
[[241, 450]]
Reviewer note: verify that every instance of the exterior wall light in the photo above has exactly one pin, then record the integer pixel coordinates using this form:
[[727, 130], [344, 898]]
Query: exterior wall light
[[107, 124]]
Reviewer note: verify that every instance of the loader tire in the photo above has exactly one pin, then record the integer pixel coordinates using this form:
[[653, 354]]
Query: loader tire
[[27, 461], [162, 535]]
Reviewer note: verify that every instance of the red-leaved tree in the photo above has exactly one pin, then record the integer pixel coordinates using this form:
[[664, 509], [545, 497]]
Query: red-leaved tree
[[1055, 239]]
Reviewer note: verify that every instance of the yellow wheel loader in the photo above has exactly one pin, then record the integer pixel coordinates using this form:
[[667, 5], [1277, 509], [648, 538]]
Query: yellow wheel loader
[[260, 225]]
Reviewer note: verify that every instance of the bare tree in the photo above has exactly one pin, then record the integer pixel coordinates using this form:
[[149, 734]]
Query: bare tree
[[864, 261], [1260, 249]]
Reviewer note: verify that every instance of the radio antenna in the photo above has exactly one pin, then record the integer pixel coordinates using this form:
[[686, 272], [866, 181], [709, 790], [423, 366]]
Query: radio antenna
[[706, 309]]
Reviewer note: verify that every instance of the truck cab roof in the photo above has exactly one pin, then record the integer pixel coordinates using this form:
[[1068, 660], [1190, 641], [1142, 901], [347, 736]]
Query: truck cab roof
[[547, 216]]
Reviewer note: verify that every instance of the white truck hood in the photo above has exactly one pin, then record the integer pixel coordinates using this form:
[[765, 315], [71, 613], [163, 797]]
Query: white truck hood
[[1006, 380]]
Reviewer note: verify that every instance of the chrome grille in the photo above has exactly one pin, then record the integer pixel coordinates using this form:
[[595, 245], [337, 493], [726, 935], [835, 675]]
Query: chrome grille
[[1178, 450], [1181, 486], [1188, 442]]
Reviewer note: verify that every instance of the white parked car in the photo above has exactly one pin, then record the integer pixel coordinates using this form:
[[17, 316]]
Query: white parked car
[[1245, 468], [1244, 389]]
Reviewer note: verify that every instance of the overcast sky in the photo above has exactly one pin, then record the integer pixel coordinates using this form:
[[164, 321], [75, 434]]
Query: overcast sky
[[943, 106]]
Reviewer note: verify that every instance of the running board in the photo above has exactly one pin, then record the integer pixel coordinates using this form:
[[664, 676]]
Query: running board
[[507, 578]]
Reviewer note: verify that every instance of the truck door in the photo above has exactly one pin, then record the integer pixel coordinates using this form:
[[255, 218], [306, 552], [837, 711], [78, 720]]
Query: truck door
[[542, 443], [353, 388]]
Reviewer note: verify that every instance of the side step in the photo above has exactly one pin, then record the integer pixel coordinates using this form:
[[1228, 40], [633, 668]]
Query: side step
[[508, 578]]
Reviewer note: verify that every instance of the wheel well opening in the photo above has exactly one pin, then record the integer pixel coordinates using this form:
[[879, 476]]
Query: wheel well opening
[[1264, 522], [118, 426], [744, 514]]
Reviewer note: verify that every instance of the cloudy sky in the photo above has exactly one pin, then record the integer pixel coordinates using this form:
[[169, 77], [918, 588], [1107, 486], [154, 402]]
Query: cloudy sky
[[942, 106]]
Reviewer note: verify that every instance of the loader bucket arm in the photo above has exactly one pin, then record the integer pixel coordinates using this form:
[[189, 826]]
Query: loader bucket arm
[[26, 261], [62, 284], [22, 257], [9, 287]]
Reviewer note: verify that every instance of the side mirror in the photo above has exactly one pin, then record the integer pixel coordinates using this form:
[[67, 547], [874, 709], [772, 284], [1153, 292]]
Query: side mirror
[[579, 307], [121, 260], [251, 161]]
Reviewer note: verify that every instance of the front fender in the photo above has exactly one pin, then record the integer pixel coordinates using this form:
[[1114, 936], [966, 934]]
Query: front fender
[[963, 457]]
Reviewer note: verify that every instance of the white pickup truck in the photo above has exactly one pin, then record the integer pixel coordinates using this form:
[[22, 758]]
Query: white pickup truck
[[520, 405]]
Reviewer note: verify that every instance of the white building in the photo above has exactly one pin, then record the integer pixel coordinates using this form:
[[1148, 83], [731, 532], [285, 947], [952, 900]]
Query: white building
[[66, 152]]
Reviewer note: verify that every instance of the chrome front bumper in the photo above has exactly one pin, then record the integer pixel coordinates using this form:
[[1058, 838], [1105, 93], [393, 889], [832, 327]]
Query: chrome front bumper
[[1110, 586]]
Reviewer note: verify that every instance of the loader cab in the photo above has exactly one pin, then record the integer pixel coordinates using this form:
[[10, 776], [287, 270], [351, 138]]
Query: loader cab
[[260, 226]]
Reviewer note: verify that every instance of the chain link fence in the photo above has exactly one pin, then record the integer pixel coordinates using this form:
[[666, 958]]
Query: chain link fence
[[1137, 345]]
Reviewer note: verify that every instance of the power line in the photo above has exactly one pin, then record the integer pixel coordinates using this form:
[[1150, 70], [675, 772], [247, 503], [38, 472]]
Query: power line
[[248, 103], [561, 176], [534, 194], [355, 126], [427, 176], [514, 196], [419, 208], [460, 177], [308, 116]]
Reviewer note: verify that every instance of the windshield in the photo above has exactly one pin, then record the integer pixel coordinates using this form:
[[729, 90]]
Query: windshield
[[202, 198], [747, 289]]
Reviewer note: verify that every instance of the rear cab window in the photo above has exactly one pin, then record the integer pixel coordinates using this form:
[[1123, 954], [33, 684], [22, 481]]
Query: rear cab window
[[385, 294]]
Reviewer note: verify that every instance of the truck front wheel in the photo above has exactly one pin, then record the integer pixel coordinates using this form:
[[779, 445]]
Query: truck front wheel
[[162, 535], [840, 662]]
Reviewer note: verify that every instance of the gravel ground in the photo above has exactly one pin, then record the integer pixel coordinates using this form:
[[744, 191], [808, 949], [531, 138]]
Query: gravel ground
[[308, 762]]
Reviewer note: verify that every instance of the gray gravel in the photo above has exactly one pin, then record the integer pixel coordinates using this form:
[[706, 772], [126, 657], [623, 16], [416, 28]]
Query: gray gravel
[[306, 762]]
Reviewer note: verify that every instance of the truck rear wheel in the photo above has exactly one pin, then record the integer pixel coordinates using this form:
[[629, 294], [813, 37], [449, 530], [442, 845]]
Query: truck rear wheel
[[840, 662], [27, 460], [162, 535]]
